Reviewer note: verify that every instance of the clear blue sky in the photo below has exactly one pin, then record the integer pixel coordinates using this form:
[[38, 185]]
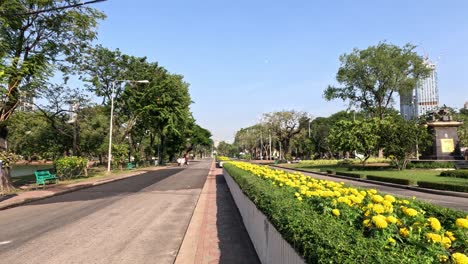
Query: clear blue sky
[[244, 58]]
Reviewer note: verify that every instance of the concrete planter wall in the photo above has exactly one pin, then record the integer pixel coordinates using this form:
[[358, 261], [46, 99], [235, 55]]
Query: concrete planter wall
[[270, 246]]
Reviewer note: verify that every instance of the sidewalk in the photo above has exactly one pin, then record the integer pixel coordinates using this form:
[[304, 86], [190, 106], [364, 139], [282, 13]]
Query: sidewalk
[[20, 198], [216, 233]]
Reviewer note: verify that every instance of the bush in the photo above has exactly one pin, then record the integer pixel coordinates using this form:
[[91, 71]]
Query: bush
[[443, 186], [348, 174], [429, 165], [317, 236], [455, 174], [390, 180], [70, 167]]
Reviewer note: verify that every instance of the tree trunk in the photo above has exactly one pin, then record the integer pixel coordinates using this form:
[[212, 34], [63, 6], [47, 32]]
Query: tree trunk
[[161, 150], [6, 183]]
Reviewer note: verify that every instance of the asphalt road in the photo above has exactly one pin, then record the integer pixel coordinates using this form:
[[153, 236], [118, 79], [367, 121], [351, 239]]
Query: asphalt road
[[141, 219], [459, 203]]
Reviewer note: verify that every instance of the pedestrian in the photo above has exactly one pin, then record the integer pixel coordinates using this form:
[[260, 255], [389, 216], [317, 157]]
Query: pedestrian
[[186, 160]]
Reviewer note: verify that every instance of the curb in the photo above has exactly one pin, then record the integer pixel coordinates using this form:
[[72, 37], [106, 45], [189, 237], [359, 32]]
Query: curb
[[71, 189], [184, 251], [407, 187]]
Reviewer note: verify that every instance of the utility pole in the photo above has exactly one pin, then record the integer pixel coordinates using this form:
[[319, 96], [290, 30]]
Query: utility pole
[[269, 135], [261, 146]]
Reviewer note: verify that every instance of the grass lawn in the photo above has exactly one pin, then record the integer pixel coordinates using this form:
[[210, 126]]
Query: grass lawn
[[413, 174]]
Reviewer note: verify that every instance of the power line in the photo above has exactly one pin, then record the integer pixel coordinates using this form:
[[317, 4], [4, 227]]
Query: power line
[[59, 8]]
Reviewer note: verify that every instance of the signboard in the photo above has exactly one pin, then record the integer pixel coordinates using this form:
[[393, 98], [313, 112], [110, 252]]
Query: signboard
[[447, 145]]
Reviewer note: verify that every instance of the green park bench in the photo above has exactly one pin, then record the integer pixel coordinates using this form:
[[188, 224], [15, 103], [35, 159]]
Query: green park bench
[[43, 176], [130, 166]]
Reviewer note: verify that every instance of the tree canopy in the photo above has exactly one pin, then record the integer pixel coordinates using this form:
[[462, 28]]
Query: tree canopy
[[371, 77]]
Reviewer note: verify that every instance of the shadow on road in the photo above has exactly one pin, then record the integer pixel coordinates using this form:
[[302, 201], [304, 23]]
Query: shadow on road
[[121, 187], [234, 242]]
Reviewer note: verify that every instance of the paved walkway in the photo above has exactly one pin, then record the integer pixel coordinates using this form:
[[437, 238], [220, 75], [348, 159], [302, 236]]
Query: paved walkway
[[216, 233]]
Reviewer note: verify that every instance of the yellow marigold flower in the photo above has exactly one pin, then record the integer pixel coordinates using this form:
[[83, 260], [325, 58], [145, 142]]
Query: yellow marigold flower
[[379, 221], [410, 211], [391, 240], [377, 198], [446, 242], [297, 194], [378, 208], [462, 223], [434, 238], [367, 213], [450, 235], [391, 219], [366, 222], [336, 212], [434, 223], [389, 198], [299, 198], [459, 258], [404, 232]]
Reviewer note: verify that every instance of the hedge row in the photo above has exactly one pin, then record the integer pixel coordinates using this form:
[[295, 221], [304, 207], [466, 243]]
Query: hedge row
[[391, 180], [318, 237], [455, 173], [348, 174], [443, 186], [424, 184]]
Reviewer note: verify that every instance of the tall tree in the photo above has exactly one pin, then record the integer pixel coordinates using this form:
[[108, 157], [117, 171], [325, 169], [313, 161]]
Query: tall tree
[[285, 125], [371, 77], [33, 46]]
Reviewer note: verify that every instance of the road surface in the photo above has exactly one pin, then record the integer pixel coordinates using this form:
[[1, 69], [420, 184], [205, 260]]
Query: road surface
[[141, 219]]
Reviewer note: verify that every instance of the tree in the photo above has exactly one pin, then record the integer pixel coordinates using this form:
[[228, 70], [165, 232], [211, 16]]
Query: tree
[[226, 149], [162, 106], [358, 135], [399, 139], [285, 125], [462, 130], [33, 46], [371, 77]]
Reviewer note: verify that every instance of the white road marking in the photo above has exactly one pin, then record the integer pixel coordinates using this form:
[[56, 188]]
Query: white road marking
[[5, 242]]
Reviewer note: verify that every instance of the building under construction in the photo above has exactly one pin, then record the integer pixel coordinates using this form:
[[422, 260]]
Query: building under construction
[[423, 99]]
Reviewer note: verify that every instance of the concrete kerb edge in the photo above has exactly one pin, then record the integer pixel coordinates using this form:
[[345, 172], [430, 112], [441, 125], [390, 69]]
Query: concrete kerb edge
[[413, 188], [71, 189], [191, 216]]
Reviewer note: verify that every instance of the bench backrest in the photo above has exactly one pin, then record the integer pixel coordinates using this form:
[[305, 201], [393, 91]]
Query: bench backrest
[[42, 173]]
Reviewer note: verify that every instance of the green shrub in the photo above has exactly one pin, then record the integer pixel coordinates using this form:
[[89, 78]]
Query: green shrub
[[391, 180], [345, 163], [319, 237], [348, 174], [70, 167], [429, 165], [455, 174], [443, 186], [331, 172]]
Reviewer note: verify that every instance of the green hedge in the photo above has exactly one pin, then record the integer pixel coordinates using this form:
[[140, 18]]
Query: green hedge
[[318, 237], [348, 174], [391, 180], [430, 164], [70, 167], [455, 173], [443, 186]]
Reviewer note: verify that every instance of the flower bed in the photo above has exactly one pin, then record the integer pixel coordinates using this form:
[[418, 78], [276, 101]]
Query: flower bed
[[328, 222]]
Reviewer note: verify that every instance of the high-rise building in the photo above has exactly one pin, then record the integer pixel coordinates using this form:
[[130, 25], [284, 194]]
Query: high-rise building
[[424, 98]]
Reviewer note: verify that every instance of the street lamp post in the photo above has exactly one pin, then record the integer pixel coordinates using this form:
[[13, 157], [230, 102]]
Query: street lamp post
[[109, 156]]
